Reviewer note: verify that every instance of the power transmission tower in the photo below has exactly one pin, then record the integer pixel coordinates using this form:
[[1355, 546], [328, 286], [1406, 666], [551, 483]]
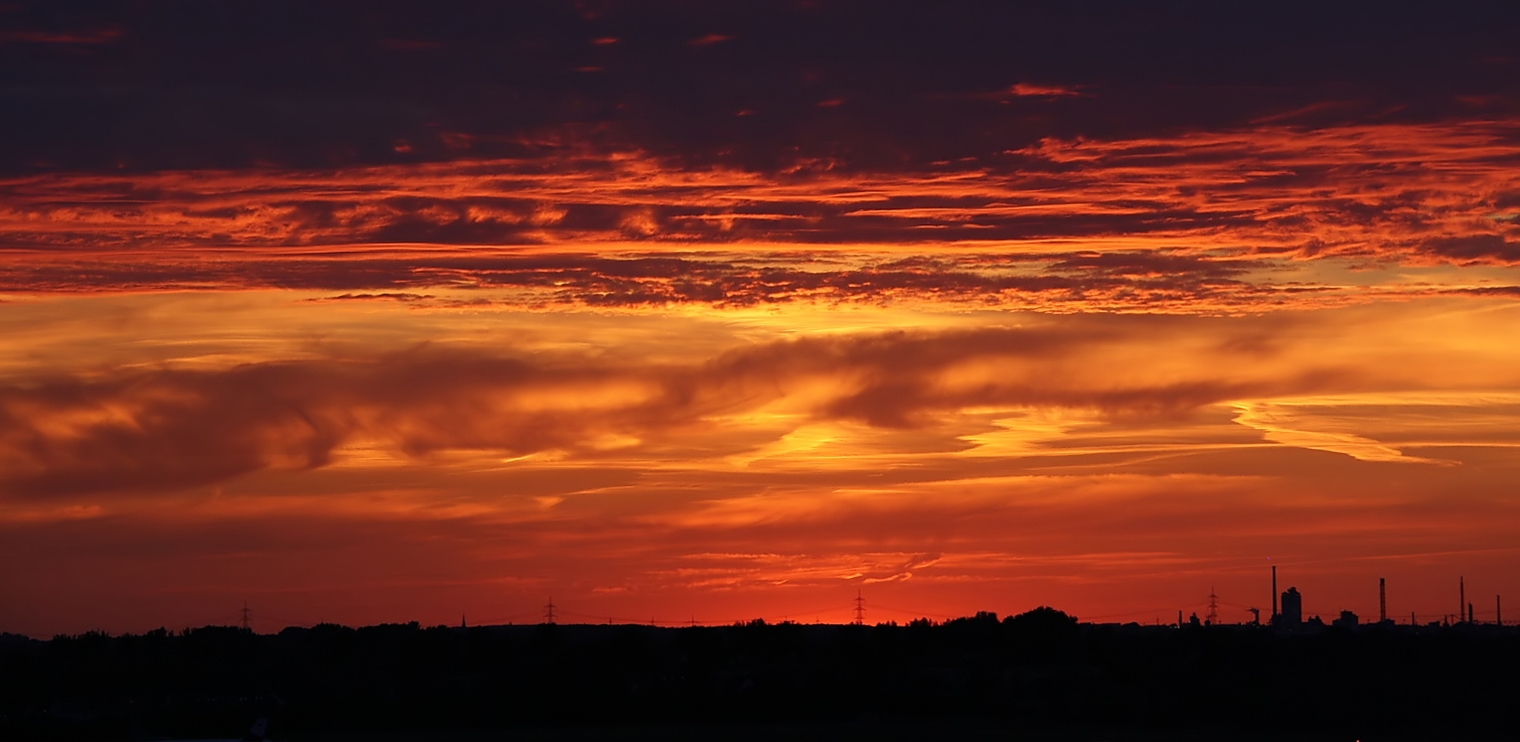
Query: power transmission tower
[[549, 611], [860, 609], [1213, 609], [245, 614]]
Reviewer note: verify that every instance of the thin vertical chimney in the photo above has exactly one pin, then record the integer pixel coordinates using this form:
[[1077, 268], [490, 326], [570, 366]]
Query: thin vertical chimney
[[1382, 600], [1470, 613], [1274, 593]]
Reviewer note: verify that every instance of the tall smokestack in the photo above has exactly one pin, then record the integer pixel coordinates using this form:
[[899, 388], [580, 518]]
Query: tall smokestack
[[1382, 600], [1274, 593], [1461, 594]]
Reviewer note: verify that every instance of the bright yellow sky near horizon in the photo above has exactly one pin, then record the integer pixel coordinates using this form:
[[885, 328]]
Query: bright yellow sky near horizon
[[176, 453]]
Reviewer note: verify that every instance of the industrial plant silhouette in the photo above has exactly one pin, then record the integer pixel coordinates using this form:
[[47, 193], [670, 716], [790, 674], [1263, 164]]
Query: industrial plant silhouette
[[1039, 672]]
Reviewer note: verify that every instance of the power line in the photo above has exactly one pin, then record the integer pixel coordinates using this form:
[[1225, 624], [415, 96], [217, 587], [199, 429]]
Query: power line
[[922, 614], [1131, 613]]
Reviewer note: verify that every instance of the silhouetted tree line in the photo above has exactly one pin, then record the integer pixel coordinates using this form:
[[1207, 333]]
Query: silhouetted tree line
[[1036, 670]]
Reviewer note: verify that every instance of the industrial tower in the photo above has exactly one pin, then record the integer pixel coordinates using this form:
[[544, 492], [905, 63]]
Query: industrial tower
[[1274, 595]]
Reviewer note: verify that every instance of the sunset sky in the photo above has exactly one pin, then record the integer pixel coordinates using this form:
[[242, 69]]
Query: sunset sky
[[687, 311]]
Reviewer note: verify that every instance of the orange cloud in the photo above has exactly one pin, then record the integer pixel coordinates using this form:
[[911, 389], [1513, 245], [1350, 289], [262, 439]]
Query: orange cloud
[[141, 428], [1222, 221], [1031, 89]]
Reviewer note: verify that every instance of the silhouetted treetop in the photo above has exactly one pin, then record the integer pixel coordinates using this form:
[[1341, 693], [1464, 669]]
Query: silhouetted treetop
[[1044, 620]]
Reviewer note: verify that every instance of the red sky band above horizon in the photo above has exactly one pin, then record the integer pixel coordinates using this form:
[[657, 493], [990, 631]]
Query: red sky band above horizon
[[366, 312]]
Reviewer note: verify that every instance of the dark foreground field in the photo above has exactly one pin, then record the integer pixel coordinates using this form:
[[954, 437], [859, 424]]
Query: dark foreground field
[[846, 731], [1038, 676], [875, 730]]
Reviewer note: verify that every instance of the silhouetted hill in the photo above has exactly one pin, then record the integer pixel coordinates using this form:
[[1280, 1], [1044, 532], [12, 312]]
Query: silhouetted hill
[[1039, 670]]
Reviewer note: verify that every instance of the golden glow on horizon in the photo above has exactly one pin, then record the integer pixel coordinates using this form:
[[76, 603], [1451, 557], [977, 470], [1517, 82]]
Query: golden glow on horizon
[[1045, 454]]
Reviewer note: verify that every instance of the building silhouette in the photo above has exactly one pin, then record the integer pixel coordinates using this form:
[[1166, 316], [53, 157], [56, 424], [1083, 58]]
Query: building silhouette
[[1292, 615]]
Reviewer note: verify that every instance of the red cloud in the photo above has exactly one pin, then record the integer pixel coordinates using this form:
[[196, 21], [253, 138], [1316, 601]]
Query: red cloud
[[1034, 90]]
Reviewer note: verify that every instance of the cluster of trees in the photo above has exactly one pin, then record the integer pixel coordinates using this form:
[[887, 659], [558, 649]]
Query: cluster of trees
[[1039, 669]]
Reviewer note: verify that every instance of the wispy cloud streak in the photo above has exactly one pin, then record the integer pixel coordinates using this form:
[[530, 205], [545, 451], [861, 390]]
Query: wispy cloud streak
[[1215, 219]]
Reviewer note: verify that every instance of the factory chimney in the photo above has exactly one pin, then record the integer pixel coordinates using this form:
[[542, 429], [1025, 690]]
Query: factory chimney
[[1382, 600], [1274, 594]]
